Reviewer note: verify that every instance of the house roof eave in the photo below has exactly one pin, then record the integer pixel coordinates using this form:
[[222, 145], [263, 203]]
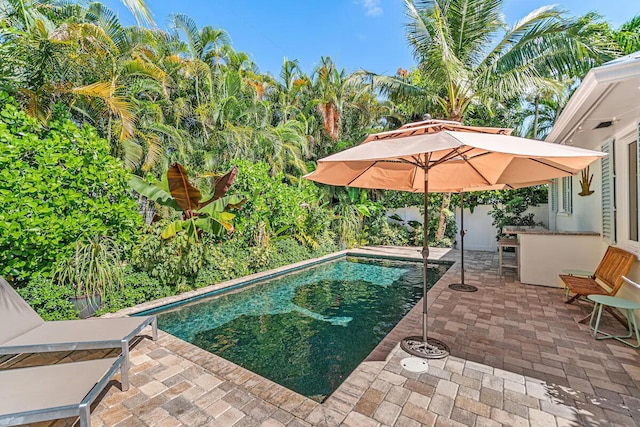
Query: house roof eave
[[594, 88]]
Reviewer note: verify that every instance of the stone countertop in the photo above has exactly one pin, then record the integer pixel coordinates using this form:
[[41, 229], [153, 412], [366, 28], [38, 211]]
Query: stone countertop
[[541, 230]]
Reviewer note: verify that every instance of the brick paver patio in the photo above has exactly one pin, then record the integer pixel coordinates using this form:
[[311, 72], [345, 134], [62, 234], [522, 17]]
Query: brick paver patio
[[518, 358]]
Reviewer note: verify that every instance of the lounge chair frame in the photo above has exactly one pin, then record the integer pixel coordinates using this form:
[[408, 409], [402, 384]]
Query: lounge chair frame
[[130, 326], [82, 409], [90, 345]]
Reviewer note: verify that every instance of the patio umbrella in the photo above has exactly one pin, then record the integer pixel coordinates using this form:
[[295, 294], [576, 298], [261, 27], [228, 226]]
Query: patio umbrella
[[443, 156], [463, 287]]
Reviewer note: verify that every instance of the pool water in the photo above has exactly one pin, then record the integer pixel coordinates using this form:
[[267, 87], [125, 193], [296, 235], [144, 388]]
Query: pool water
[[306, 330]]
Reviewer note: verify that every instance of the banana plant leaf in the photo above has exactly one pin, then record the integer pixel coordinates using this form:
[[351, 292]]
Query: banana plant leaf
[[186, 196], [152, 192], [221, 186], [217, 224], [223, 204], [177, 226]]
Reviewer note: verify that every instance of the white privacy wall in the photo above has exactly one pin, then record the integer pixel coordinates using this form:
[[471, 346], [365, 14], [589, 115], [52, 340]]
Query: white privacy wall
[[481, 235]]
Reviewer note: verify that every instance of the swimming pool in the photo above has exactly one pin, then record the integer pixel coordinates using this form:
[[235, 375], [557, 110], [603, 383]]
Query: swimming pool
[[307, 330]]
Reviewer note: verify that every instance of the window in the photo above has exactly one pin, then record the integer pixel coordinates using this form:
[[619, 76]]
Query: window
[[567, 187], [633, 191], [608, 192]]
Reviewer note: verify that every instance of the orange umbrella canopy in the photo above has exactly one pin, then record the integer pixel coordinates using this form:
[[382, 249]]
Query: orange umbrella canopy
[[443, 156], [456, 157]]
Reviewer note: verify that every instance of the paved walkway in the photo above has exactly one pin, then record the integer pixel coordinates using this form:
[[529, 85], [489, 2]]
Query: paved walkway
[[518, 358]]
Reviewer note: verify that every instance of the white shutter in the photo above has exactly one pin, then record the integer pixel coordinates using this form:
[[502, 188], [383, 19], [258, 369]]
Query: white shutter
[[638, 177], [554, 195], [567, 188], [608, 192]]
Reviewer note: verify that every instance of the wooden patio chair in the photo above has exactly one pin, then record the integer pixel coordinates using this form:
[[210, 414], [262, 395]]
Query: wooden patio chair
[[615, 264]]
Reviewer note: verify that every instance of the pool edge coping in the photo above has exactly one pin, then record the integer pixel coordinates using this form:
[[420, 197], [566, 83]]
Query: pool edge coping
[[268, 390], [151, 307]]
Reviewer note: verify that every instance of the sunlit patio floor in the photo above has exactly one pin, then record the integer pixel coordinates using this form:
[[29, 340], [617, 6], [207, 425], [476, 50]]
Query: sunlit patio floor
[[518, 357]]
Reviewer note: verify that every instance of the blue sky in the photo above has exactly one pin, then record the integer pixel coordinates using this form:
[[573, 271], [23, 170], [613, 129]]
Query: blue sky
[[356, 34]]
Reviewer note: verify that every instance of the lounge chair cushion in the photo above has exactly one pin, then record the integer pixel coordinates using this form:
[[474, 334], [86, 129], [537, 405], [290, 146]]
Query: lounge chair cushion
[[71, 334], [23, 330], [16, 316], [42, 392]]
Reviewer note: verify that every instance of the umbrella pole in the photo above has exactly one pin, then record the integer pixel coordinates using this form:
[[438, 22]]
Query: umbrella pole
[[425, 256], [462, 287], [423, 346]]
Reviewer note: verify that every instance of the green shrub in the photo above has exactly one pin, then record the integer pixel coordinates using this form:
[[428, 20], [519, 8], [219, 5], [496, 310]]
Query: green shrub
[[445, 242], [512, 213], [137, 287], [288, 251], [284, 208], [325, 249], [222, 269], [236, 258], [172, 262], [317, 225], [382, 233], [50, 300], [57, 184]]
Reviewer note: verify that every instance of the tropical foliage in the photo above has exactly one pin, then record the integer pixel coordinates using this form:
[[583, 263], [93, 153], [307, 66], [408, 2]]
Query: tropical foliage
[[58, 184], [197, 215], [94, 104]]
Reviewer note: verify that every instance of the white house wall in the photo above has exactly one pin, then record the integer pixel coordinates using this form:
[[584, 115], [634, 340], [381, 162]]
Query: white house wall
[[481, 234], [608, 93], [548, 255], [587, 213], [587, 216]]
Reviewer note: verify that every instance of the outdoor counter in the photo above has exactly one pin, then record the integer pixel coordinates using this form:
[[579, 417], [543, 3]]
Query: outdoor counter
[[541, 230], [544, 254]]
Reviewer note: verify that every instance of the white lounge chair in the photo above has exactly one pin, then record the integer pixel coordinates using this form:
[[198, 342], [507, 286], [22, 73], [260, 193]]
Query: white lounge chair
[[41, 393], [22, 330]]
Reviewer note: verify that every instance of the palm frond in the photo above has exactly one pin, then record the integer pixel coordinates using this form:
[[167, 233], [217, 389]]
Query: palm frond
[[118, 105], [140, 11], [429, 36]]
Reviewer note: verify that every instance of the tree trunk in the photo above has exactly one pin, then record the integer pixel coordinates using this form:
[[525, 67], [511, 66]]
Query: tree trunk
[[536, 116], [455, 116], [442, 221]]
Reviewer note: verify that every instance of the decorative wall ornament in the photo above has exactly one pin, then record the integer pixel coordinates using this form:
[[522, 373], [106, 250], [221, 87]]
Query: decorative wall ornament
[[585, 182]]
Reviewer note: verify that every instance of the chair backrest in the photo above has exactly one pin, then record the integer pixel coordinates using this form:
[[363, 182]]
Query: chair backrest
[[16, 316], [615, 264]]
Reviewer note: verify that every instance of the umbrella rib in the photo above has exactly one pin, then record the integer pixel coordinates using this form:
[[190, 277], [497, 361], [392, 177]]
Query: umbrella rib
[[451, 154], [477, 171], [413, 180], [362, 173], [445, 158], [554, 167]]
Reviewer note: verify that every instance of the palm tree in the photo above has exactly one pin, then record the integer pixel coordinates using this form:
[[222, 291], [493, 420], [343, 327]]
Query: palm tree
[[204, 44], [337, 95], [627, 37], [467, 50], [536, 118], [329, 86], [289, 89]]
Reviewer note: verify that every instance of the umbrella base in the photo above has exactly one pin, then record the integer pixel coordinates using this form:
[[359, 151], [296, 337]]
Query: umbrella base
[[432, 349], [462, 287]]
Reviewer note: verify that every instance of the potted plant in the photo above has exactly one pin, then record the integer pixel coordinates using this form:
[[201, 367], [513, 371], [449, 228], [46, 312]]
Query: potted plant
[[94, 268]]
